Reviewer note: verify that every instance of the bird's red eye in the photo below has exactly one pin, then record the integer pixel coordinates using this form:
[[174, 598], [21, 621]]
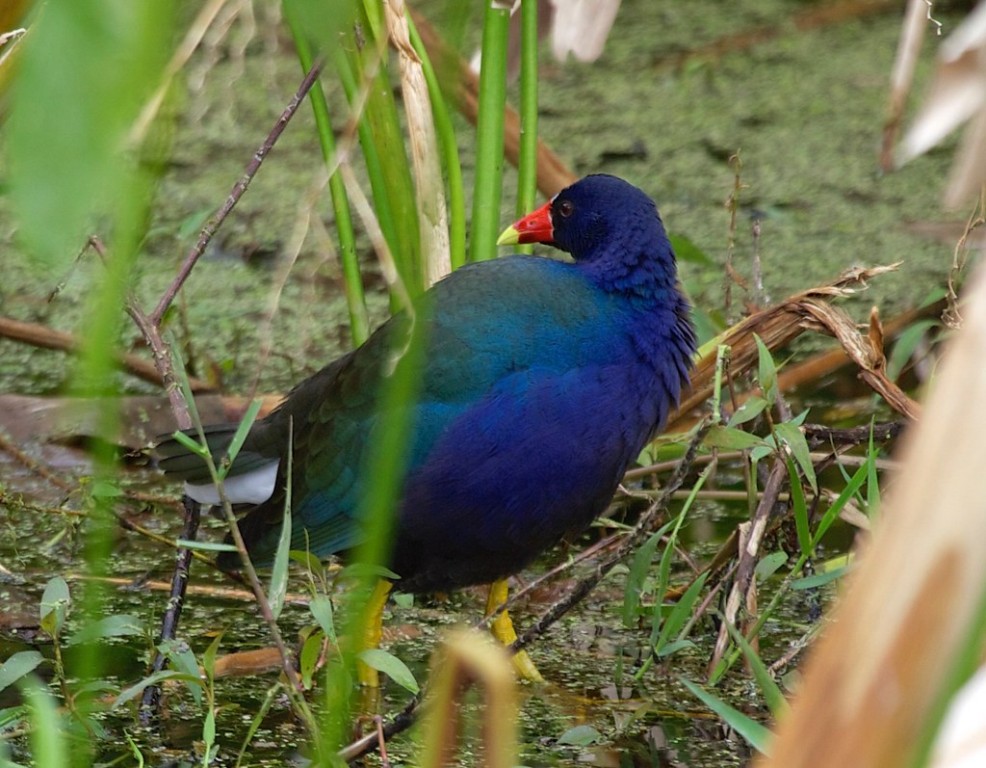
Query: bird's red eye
[[565, 208]]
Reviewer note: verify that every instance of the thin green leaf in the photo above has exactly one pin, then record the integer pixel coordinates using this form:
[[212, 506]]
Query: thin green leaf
[[209, 731], [55, 602], [18, 665], [819, 579], [872, 480], [686, 250], [158, 677], [799, 508], [680, 613], [242, 430], [209, 657], [205, 546], [731, 439], [766, 371], [321, 609], [279, 572], [311, 650], [189, 442], [854, 484], [639, 566], [669, 649], [390, 665], [48, 744], [906, 345], [769, 564], [753, 407], [795, 440], [756, 735], [771, 691], [580, 736]]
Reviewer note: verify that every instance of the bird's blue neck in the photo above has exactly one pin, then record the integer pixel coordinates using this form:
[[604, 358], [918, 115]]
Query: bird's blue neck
[[642, 269]]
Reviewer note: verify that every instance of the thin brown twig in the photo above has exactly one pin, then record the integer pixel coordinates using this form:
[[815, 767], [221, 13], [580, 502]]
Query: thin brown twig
[[210, 228]]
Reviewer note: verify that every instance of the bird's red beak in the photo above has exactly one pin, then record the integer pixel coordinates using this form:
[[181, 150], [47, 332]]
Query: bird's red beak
[[535, 227]]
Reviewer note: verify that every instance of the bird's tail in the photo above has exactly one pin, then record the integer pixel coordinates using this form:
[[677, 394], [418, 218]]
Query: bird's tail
[[174, 458]]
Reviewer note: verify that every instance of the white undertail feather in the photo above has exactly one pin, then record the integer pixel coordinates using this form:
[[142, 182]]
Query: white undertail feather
[[249, 488]]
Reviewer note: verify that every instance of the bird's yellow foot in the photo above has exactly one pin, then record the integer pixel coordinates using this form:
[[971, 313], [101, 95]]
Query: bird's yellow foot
[[372, 632], [503, 630]]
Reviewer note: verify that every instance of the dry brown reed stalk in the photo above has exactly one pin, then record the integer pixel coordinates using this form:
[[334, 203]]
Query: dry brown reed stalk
[[436, 250], [782, 323], [48, 338], [911, 618]]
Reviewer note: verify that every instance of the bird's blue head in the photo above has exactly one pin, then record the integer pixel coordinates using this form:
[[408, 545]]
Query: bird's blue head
[[609, 227]]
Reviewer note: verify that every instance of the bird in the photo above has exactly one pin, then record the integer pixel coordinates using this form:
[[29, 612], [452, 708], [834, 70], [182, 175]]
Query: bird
[[542, 380]]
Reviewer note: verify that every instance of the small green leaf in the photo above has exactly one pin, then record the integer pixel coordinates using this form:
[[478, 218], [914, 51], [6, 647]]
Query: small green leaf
[[391, 666], [731, 439], [854, 484], [187, 441], [686, 250], [209, 728], [403, 599], [138, 688], [680, 613], [766, 371], [753, 407], [209, 657], [321, 609], [54, 605], [819, 579], [772, 693], [580, 736], [669, 649], [239, 437], [795, 440], [184, 661], [769, 564], [279, 572], [105, 489], [800, 508], [906, 345], [18, 665], [311, 650], [367, 570], [205, 546], [635, 579]]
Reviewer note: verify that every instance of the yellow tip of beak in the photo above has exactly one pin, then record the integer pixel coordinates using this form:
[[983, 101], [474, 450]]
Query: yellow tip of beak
[[509, 236]]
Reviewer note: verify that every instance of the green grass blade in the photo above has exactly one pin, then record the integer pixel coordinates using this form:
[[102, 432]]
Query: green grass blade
[[355, 297], [772, 693], [246, 423], [755, 734], [48, 744], [799, 508]]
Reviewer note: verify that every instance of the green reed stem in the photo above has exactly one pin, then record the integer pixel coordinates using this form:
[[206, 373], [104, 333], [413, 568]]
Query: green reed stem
[[489, 133], [359, 321], [527, 166]]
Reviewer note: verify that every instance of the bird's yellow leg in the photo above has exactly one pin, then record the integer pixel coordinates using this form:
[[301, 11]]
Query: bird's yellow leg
[[503, 630], [372, 633]]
